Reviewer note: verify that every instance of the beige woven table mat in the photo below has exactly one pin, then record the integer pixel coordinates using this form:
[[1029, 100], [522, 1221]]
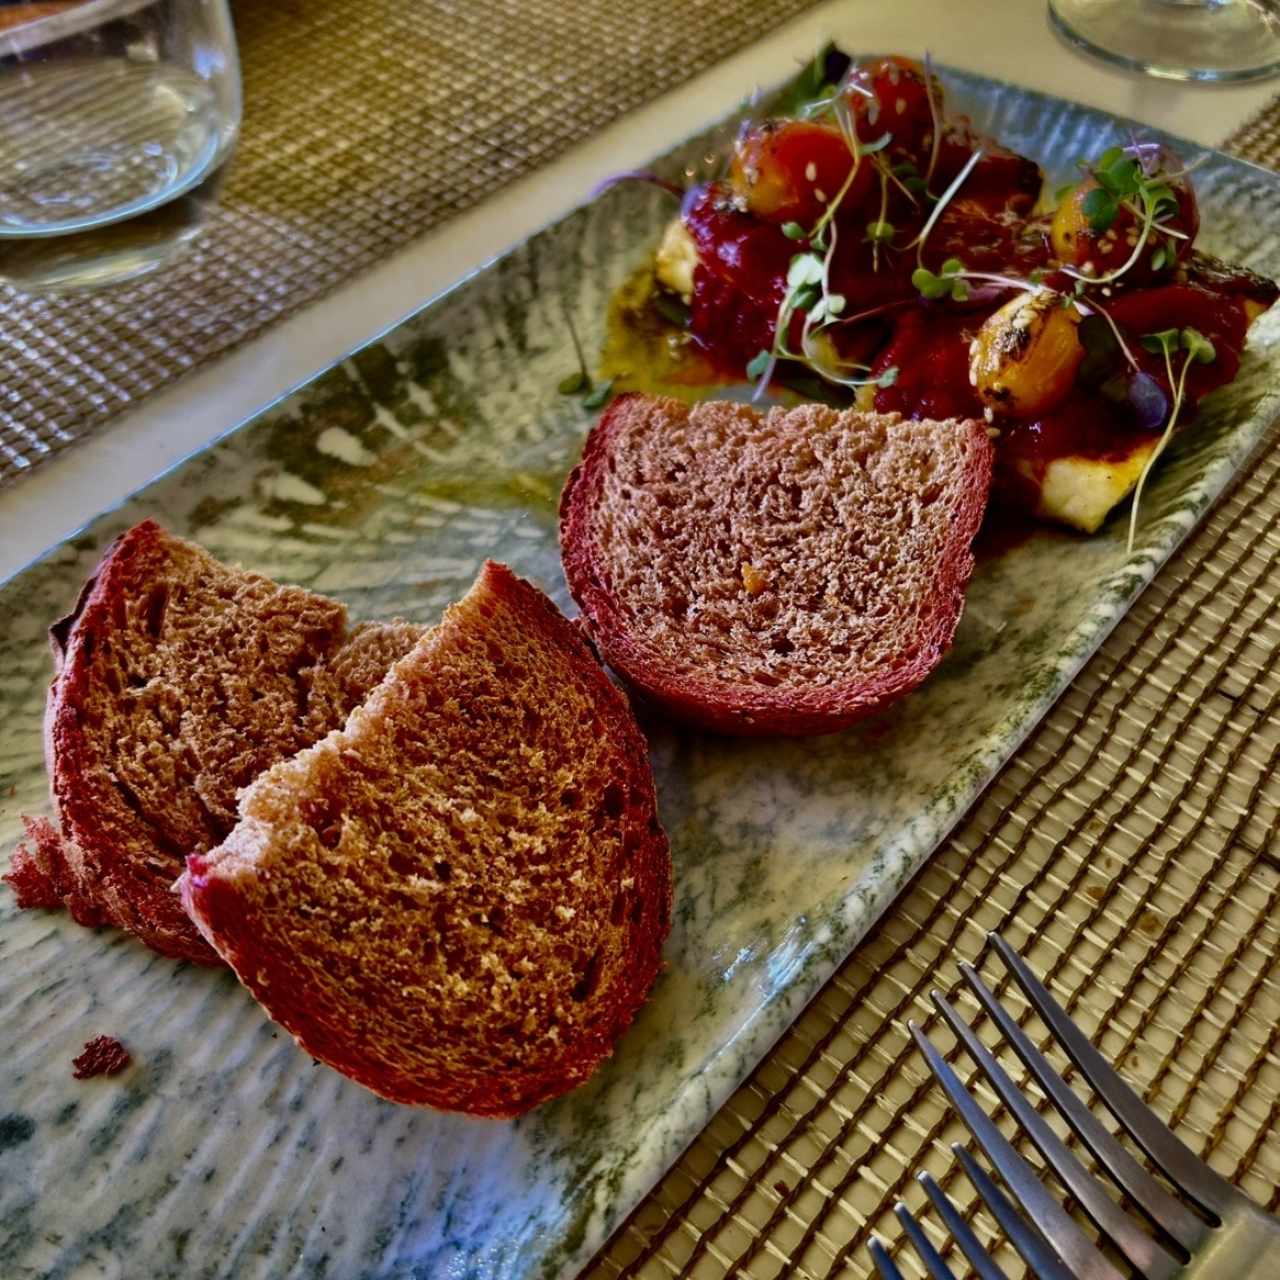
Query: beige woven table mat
[[365, 125], [1131, 851]]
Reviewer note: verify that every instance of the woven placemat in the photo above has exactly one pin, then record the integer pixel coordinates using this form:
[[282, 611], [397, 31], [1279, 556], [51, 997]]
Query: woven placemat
[[1131, 851], [365, 125]]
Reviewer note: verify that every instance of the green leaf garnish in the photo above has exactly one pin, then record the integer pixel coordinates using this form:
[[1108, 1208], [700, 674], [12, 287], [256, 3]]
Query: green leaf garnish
[[948, 283], [1164, 342], [758, 364], [597, 395], [1198, 346], [572, 383], [793, 231], [1120, 178], [804, 298], [869, 148], [1158, 258], [880, 231], [835, 303], [1064, 191], [1161, 199], [888, 377], [805, 268], [1100, 207], [929, 285]]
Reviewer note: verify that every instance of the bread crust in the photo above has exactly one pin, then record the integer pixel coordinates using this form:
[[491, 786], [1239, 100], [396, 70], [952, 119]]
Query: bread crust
[[92, 823], [219, 897], [743, 709], [120, 862]]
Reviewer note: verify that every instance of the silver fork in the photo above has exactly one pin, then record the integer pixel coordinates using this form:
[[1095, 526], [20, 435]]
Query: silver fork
[[1233, 1240]]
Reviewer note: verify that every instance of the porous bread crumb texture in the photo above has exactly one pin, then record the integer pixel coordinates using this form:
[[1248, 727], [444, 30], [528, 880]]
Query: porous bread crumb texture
[[460, 898], [743, 560], [181, 679]]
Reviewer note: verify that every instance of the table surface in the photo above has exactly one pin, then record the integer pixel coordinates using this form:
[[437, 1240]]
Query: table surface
[[1009, 39]]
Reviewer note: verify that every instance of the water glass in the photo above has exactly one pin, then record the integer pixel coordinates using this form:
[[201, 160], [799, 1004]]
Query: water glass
[[117, 118], [1215, 40]]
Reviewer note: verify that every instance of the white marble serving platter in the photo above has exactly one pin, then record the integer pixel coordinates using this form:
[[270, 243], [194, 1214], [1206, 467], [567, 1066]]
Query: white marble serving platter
[[224, 1151]]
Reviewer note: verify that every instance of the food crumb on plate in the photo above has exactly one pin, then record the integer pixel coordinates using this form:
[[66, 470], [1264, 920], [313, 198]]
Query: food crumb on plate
[[102, 1056]]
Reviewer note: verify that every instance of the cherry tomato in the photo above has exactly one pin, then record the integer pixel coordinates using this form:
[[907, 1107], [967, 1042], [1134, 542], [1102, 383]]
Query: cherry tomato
[[1023, 360], [788, 170], [1079, 242], [890, 96]]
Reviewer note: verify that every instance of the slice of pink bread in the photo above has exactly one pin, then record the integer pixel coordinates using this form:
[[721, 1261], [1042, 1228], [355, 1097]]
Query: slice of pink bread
[[460, 898], [788, 572], [178, 680]]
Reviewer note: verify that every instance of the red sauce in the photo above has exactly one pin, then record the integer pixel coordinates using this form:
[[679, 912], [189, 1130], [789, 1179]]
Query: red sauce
[[930, 349], [747, 252], [1221, 318], [1084, 425]]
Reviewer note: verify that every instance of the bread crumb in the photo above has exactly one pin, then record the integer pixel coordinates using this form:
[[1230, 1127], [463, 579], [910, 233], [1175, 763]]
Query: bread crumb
[[565, 913], [102, 1056], [753, 580]]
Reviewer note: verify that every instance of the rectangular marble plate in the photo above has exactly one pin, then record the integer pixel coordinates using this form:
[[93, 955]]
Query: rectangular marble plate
[[225, 1151]]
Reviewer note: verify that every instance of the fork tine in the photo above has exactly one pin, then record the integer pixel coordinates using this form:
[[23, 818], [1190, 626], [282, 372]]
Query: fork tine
[[1185, 1169], [1073, 1246], [961, 1231], [1145, 1254], [1170, 1215], [1044, 1264], [884, 1264], [931, 1258]]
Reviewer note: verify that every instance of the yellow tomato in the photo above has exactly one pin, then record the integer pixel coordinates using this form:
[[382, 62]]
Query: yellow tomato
[[1024, 359]]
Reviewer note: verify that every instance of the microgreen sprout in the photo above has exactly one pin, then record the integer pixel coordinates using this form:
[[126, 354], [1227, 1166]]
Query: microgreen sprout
[[909, 178], [579, 382], [1124, 181], [949, 282], [1165, 342], [956, 183], [876, 240], [809, 292], [1092, 308], [935, 115], [638, 175], [598, 395]]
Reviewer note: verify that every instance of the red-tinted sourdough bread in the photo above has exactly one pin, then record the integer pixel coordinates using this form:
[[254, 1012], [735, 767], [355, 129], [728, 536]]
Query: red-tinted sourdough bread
[[460, 898], [787, 572], [179, 679]]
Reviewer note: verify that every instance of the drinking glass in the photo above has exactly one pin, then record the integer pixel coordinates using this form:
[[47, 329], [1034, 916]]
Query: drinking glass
[[117, 118], [1177, 39]]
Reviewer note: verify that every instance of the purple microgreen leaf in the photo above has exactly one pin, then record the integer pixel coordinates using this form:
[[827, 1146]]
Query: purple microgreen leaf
[[1148, 399]]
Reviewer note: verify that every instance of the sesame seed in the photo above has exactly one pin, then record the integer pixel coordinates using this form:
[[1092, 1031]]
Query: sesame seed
[[820, 194], [900, 105], [811, 171]]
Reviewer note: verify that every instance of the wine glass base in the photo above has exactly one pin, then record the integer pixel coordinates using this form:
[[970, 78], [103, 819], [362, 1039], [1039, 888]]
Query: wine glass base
[[1214, 40]]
